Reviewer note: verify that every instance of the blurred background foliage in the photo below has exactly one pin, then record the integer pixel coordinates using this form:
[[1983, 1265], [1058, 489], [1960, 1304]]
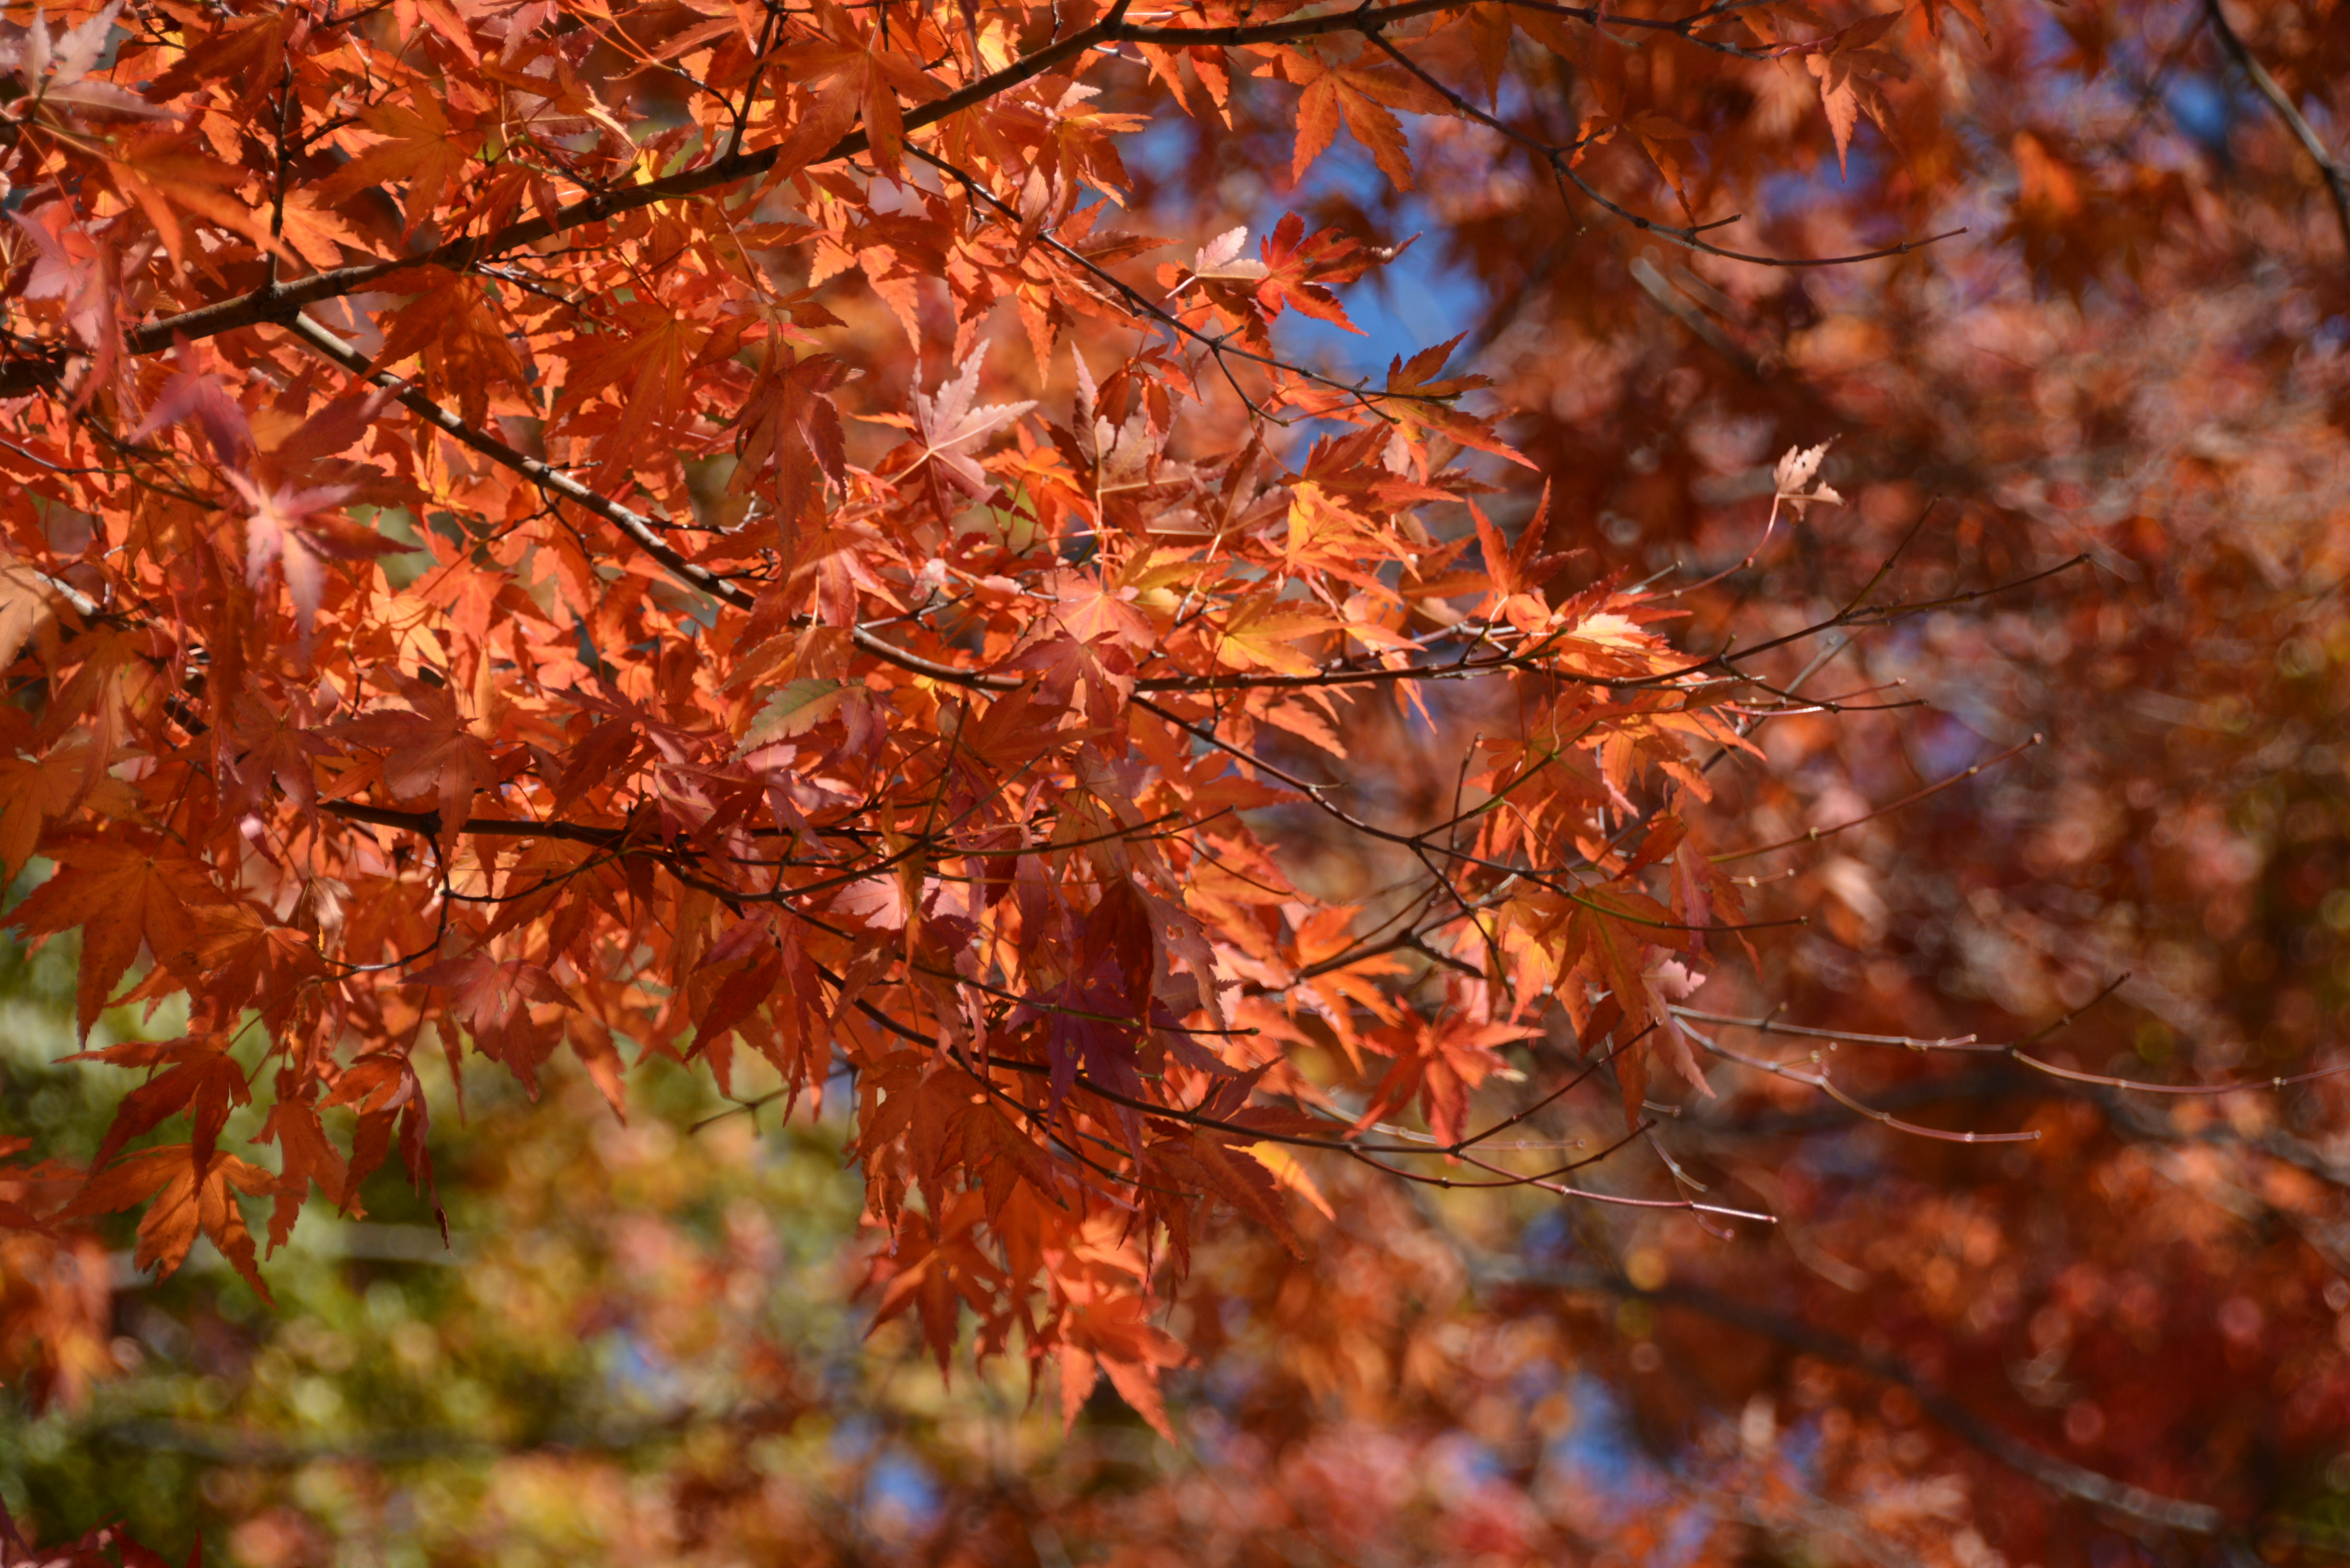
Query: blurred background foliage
[[632, 1296]]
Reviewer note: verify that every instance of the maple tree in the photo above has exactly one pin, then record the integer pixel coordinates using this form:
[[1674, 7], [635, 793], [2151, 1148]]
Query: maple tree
[[532, 535]]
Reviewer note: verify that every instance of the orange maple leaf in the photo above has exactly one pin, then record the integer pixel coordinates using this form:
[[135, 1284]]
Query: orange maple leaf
[[465, 350], [430, 750], [189, 1199], [420, 145], [1359, 96], [121, 896]]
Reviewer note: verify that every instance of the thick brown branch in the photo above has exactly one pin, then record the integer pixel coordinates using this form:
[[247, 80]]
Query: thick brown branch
[[279, 301], [428, 824]]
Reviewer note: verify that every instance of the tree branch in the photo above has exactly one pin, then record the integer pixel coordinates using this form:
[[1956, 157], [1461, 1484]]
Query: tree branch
[[2060, 1476], [278, 301], [641, 531], [2337, 179]]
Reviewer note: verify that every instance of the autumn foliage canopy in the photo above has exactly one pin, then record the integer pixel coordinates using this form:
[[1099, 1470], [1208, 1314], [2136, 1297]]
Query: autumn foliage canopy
[[840, 545]]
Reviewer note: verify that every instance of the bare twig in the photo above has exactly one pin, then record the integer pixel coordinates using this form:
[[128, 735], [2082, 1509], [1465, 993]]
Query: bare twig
[[2337, 179], [2060, 1476]]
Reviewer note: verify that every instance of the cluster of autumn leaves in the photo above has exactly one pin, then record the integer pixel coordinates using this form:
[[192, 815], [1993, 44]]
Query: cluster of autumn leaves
[[459, 595]]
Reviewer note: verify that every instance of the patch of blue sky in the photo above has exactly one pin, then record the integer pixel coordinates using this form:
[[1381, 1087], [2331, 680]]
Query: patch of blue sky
[[1846, 1152], [1159, 150], [2202, 109], [1800, 1446], [1600, 1455], [1229, 1382], [897, 1483], [1413, 303], [1470, 1462], [639, 1373], [1548, 1238], [1420, 299], [854, 1438]]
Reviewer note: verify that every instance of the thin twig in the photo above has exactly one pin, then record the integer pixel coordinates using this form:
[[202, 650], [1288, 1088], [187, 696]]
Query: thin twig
[[2337, 179]]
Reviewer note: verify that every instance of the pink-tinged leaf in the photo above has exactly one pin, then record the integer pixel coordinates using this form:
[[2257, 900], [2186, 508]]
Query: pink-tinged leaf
[[277, 528], [198, 396], [951, 423]]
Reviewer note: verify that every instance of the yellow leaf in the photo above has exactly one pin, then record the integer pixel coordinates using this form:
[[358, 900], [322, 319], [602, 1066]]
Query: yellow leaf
[[1261, 633], [1287, 1170]]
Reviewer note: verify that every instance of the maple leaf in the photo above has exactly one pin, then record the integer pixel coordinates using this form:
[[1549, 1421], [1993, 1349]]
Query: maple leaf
[[196, 393], [450, 325], [308, 1158], [29, 602], [318, 233], [270, 749], [121, 896], [1609, 926], [247, 958], [53, 66], [1665, 981], [1297, 271], [1846, 92], [936, 1267], [187, 1198], [163, 174], [278, 531], [1439, 1063], [744, 990], [1222, 257], [1108, 1331], [1662, 141], [492, 999], [1205, 1160], [1263, 630], [489, 993], [1971, 9], [790, 430], [430, 749], [1290, 1171], [648, 368], [200, 1077], [1102, 674], [951, 422], [1794, 479], [33, 791], [866, 77], [445, 17], [1133, 486], [1428, 402], [421, 144], [1094, 607], [1337, 993], [1093, 1017], [1519, 570], [90, 274], [377, 1081], [792, 710], [1358, 95], [242, 54], [548, 101]]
